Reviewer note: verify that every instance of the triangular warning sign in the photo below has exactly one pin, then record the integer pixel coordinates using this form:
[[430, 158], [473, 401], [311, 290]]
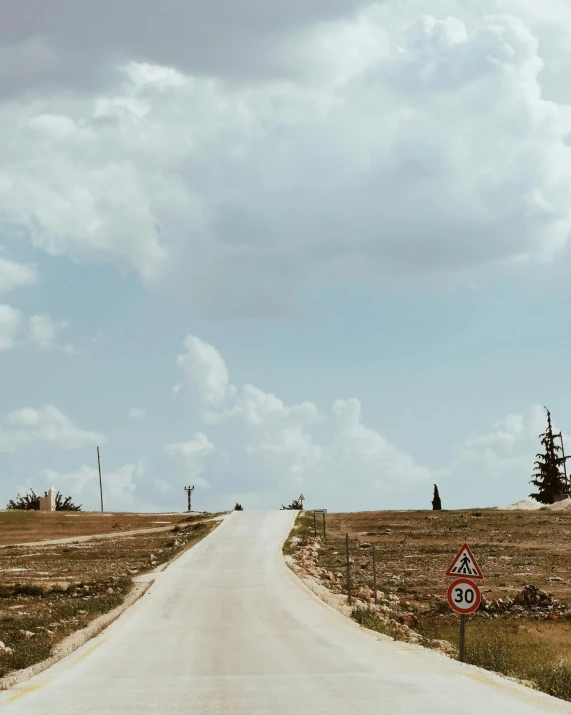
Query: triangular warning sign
[[465, 565]]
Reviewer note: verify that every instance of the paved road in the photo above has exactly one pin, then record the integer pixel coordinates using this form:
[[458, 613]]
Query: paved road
[[227, 629]]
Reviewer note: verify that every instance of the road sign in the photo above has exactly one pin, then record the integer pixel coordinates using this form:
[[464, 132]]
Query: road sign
[[463, 596], [465, 565]]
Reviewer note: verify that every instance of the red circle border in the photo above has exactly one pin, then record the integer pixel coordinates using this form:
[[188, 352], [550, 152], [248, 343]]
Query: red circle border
[[474, 606]]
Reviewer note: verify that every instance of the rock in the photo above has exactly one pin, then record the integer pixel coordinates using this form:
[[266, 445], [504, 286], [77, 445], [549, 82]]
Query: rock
[[27, 634], [555, 579], [110, 590], [567, 615], [365, 545], [409, 619], [444, 647], [4, 649]]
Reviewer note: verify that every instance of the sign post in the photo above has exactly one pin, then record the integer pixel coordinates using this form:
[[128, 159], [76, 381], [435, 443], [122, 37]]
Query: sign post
[[463, 594]]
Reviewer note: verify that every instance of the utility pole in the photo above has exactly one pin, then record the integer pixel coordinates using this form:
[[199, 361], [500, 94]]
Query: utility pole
[[189, 491], [100, 483], [564, 460]]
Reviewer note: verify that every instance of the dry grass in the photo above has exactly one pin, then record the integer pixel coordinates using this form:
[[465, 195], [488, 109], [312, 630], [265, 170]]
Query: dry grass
[[27, 526], [538, 652], [50, 591], [414, 549]]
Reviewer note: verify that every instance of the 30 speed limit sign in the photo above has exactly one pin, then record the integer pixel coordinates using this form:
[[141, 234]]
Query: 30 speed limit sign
[[463, 596]]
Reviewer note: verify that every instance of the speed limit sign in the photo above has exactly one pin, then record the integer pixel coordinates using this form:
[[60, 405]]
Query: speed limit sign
[[463, 596]]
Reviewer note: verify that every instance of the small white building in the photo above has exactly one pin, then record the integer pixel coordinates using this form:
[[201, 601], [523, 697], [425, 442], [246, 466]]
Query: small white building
[[48, 503]]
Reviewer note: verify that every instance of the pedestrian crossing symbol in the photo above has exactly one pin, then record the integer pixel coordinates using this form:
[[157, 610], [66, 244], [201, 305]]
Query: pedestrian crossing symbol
[[465, 564]]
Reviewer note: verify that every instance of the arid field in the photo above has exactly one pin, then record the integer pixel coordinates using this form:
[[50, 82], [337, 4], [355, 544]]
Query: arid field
[[523, 627], [18, 527]]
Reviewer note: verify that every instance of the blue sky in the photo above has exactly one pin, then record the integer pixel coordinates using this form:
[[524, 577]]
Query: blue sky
[[330, 258]]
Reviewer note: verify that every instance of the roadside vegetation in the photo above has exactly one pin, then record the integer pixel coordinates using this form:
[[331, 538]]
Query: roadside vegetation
[[48, 592]]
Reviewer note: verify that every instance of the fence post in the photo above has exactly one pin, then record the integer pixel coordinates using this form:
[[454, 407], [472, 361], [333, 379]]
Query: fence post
[[324, 532], [348, 567], [314, 525], [374, 573]]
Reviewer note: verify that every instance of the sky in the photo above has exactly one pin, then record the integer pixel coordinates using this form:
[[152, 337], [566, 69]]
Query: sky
[[272, 249]]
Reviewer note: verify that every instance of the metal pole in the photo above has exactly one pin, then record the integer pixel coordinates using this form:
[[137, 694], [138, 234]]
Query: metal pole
[[462, 636], [100, 483], [188, 491], [324, 532], [314, 525], [564, 462], [348, 567], [374, 573]]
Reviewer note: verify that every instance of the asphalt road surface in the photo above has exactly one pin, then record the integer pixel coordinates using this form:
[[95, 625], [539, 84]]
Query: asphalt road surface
[[228, 629]]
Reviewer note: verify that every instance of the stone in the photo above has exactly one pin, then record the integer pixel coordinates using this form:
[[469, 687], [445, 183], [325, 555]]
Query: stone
[[110, 590], [365, 545], [444, 647], [27, 634], [555, 579], [409, 619], [4, 649]]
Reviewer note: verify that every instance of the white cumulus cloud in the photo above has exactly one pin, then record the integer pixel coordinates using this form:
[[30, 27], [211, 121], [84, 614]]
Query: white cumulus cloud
[[14, 275], [46, 425], [400, 145]]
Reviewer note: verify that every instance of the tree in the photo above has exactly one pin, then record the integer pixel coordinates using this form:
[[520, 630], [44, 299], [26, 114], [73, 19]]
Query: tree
[[238, 507], [436, 503], [31, 501], [296, 504], [548, 476]]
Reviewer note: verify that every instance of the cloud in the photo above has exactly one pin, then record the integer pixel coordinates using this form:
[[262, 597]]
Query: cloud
[[13, 275], [46, 425], [62, 49], [40, 330], [373, 113], [494, 467], [44, 330], [137, 413], [11, 324], [189, 458], [208, 375], [275, 445], [119, 486]]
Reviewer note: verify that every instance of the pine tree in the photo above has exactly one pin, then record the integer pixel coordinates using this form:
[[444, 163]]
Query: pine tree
[[436, 503], [548, 477]]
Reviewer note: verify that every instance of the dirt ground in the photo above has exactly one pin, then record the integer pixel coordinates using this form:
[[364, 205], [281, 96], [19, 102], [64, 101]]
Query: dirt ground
[[525, 557], [24, 526], [414, 549], [50, 591]]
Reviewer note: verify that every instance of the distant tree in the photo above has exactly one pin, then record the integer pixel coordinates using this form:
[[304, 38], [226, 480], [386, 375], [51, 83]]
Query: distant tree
[[65, 504], [28, 502], [548, 476], [31, 501], [436, 503], [296, 504], [238, 507]]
